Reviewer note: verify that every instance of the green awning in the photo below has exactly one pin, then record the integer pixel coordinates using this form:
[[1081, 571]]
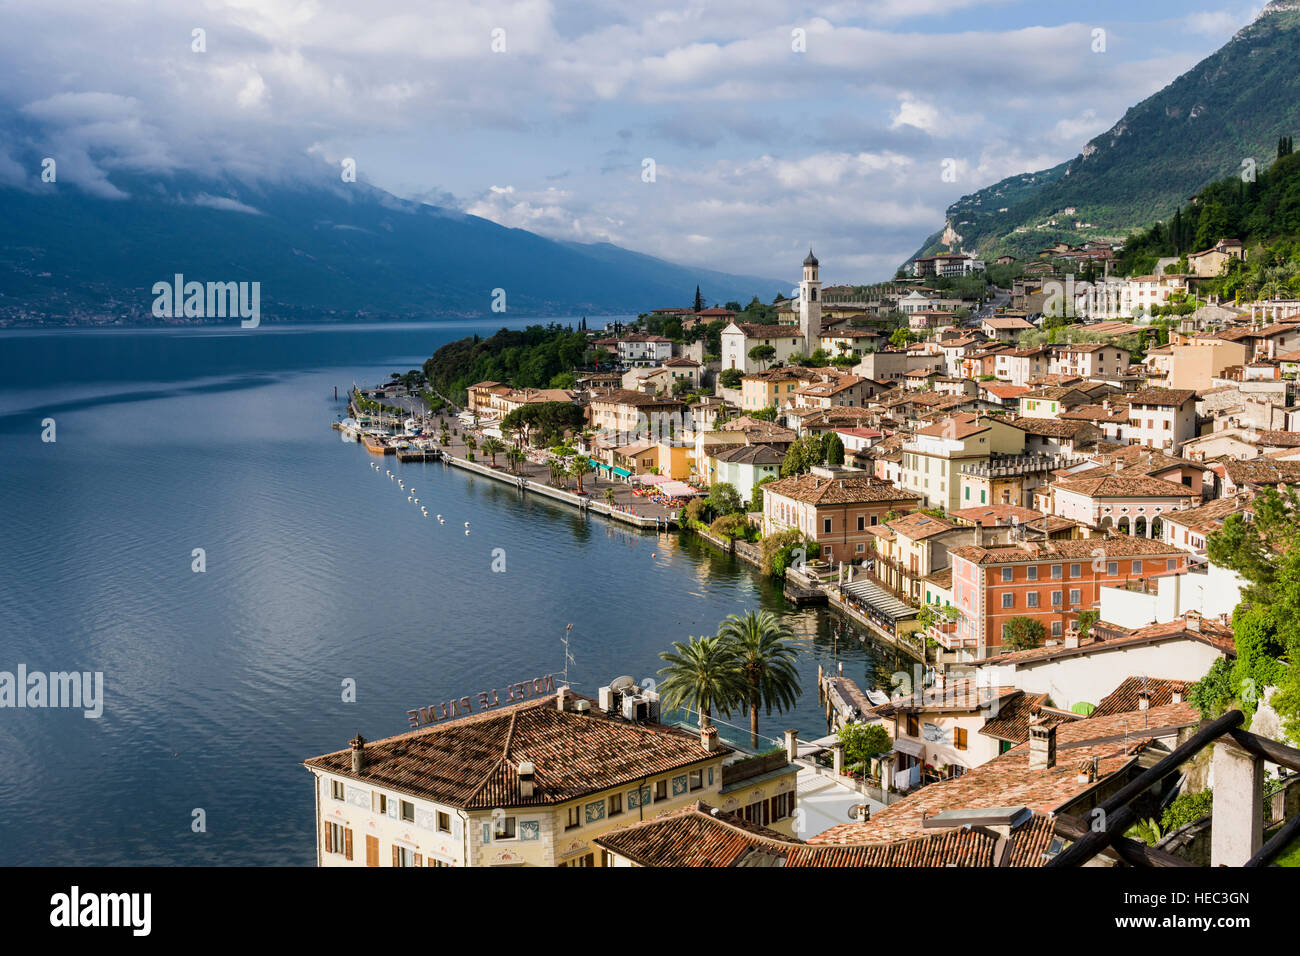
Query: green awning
[[622, 472]]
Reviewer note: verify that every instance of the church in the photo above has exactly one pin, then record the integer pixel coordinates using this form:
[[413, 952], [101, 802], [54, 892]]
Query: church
[[740, 338]]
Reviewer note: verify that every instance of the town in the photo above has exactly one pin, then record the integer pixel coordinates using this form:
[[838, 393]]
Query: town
[[1067, 502]]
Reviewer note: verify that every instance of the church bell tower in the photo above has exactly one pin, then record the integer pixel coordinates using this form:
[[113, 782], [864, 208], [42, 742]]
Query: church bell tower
[[810, 305]]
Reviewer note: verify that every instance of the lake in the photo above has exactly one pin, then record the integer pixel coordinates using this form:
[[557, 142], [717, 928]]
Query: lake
[[318, 571]]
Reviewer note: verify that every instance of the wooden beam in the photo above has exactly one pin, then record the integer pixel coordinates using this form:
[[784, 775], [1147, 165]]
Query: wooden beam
[[1120, 814], [1132, 852], [1270, 750], [1280, 840]]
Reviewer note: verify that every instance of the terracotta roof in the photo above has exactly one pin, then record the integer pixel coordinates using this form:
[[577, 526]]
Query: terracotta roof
[[1066, 550], [1105, 636], [1047, 427], [751, 455], [1263, 471], [816, 490], [473, 762], [958, 426], [1114, 485], [700, 836], [1160, 396], [1009, 781], [1011, 723], [754, 331], [919, 526], [990, 516], [626, 396], [1126, 698]]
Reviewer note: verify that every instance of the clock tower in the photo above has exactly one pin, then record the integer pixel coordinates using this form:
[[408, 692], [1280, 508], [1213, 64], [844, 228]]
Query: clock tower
[[810, 305]]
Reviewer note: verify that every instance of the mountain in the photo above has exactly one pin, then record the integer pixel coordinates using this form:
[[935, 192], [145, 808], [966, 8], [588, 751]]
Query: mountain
[[320, 249], [1231, 106]]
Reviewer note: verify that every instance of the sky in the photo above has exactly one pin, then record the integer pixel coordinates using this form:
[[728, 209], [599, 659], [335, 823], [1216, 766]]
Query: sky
[[731, 134]]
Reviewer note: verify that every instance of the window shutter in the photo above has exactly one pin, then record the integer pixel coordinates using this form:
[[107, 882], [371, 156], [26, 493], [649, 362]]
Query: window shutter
[[397, 856], [419, 859], [326, 840], [347, 842]]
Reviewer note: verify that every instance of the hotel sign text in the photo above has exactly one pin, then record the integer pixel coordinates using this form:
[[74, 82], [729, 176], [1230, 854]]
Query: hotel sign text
[[486, 700]]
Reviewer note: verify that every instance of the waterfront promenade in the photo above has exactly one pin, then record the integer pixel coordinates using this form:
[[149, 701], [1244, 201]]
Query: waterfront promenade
[[534, 475]]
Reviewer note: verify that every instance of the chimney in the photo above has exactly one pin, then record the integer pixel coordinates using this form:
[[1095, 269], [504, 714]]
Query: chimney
[[358, 753], [1042, 744], [1177, 696], [1144, 700], [791, 745], [709, 738], [527, 778], [563, 699]]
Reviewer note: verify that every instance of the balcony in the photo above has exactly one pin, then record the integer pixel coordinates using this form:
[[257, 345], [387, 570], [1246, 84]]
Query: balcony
[[1017, 466]]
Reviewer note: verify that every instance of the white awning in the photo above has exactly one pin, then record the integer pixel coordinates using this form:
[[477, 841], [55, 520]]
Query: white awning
[[913, 748]]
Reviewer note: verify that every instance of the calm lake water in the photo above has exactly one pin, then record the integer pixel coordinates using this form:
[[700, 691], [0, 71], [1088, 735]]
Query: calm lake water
[[218, 685]]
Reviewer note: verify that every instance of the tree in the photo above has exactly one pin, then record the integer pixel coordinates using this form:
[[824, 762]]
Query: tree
[[1086, 620], [580, 468], [834, 448], [699, 300], [802, 455], [862, 742], [730, 377], [610, 496], [762, 353], [756, 494], [723, 498], [704, 675], [900, 338], [493, 447], [1024, 632], [766, 653]]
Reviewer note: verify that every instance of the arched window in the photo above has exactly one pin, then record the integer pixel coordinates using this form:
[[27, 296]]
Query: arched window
[[1122, 525], [1140, 527]]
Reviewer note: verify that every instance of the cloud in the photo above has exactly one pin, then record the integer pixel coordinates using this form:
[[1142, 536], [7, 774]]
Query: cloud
[[225, 203], [760, 149]]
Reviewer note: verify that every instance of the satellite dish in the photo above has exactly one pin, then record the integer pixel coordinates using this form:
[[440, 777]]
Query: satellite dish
[[622, 683]]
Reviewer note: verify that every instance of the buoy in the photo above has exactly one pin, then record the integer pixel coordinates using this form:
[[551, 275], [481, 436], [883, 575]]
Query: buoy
[[467, 530], [439, 517], [467, 524]]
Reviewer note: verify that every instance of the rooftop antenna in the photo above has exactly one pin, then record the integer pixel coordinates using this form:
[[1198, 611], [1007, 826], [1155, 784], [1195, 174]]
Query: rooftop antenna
[[568, 657]]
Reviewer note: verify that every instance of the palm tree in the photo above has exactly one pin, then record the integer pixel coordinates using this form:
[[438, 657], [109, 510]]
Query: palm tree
[[493, 447], [515, 456], [766, 655], [557, 470], [610, 495], [580, 467], [702, 674]]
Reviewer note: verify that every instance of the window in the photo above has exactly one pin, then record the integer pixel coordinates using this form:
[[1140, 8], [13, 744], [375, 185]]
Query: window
[[588, 859], [826, 525], [408, 811], [1032, 572], [862, 523], [1008, 600], [661, 790], [875, 520], [1075, 570], [781, 806], [1171, 564], [861, 548], [1007, 575], [1075, 597], [913, 726], [378, 802], [616, 804], [444, 822], [402, 856], [1137, 567], [575, 817], [1056, 598], [696, 780], [336, 789], [1058, 571], [338, 839], [959, 738], [505, 828], [1112, 568], [1031, 599], [1056, 629]]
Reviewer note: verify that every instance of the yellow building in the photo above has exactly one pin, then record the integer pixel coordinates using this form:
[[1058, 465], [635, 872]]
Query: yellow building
[[528, 784], [773, 388]]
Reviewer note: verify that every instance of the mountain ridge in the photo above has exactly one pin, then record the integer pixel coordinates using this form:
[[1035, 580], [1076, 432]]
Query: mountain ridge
[[1229, 108], [321, 250]]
